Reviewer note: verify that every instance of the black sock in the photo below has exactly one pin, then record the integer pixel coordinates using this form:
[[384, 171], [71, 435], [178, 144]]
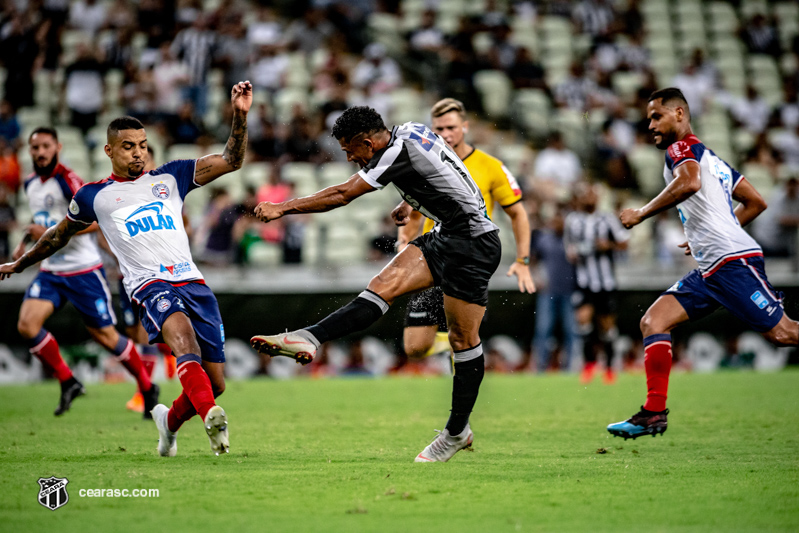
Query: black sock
[[465, 387], [357, 315], [590, 342]]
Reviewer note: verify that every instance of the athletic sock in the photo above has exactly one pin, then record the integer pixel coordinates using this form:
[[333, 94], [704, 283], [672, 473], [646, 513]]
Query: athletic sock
[[608, 340], [149, 356], [357, 315], [181, 410], [196, 384], [126, 353], [469, 371], [657, 362], [45, 347]]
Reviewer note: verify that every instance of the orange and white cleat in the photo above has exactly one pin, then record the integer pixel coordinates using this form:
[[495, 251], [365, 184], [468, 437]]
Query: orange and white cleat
[[290, 345], [136, 403]]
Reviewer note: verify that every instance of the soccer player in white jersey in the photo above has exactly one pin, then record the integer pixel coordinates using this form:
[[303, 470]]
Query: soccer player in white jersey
[[731, 272], [73, 274], [460, 255], [140, 216]]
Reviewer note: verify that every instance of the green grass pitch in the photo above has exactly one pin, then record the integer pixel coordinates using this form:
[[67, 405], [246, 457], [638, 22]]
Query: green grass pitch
[[337, 455]]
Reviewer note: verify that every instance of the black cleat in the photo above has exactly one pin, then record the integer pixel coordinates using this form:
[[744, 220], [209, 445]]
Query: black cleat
[[642, 423], [150, 401], [70, 389]]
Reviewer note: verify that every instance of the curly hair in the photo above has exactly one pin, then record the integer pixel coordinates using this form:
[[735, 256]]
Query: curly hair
[[357, 120]]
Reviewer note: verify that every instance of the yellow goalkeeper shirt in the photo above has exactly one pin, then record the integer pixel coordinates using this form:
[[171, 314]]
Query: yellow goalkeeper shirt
[[494, 179]]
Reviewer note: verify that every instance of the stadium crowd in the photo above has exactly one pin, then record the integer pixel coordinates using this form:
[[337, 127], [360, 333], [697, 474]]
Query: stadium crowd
[[556, 89]]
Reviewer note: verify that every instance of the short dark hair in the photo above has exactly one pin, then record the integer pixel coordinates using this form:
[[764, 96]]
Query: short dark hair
[[44, 129], [121, 124], [669, 95], [357, 120]]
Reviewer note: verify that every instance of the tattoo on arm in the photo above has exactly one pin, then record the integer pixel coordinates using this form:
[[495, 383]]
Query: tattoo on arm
[[237, 143], [53, 240]]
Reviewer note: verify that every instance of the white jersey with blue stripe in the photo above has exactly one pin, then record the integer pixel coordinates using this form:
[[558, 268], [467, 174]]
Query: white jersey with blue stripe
[[713, 231], [141, 220], [48, 199]]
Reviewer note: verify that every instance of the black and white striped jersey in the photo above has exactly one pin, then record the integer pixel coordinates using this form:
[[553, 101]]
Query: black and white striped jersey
[[595, 269], [431, 178]]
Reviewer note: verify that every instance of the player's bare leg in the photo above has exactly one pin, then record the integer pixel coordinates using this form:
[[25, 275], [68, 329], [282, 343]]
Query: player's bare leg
[[463, 322], [124, 349], [663, 316], [32, 315], [198, 390], [785, 333], [417, 340], [406, 273]]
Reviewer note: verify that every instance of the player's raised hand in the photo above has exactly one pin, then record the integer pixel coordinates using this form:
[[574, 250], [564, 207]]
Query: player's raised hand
[[686, 246], [401, 214], [631, 217], [522, 273], [266, 211], [241, 96]]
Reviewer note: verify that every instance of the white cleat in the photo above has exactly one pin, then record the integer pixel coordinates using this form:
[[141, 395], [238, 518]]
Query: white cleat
[[287, 344], [167, 441], [216, 426], [444, 446]]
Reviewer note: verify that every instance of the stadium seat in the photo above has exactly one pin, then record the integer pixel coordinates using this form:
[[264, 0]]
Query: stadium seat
[[256, 173], [495, 91], [385, 29], [302, 175], [335, 173], [286, 100], [759, 176], [406, 106], [647, 163], [183, 151], [264, 254]]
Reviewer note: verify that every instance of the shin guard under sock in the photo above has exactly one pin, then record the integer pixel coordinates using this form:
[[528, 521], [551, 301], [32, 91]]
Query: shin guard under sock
[[45, 348], [657, 362], [181, 411], [357, 315], [196, 384], [126, 353], [469, 371]]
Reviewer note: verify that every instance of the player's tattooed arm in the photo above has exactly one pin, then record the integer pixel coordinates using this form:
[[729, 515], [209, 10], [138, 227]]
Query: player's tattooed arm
[[53, 240], [319, 202], [212, 166]]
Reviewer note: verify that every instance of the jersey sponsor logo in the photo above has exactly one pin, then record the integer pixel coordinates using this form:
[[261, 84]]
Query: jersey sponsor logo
[[161, 191], [679, 150], [417, 314], [146, 218], [163, 305], [43, 218], [677, 286], [760, 300], [514, 185], [177, 268], [422, 135], [73, 207], [49, 201], [35, 290], [101, 306]]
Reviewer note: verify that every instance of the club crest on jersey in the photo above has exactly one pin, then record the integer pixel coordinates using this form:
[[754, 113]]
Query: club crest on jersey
[[73, 207], [161, 191], [53, 492], [149, 219], [49, 201], [163, 305]]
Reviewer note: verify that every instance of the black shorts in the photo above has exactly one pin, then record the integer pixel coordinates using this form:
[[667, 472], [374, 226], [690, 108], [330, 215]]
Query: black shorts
[[604, 302], [462, 266], [426, 308]]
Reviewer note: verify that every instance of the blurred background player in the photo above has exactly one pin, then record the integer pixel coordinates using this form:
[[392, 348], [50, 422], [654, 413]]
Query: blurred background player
[[140, 217], [133, 327], [425, 322], [72, 274], [592, 238], [731, 271], [460, 254]]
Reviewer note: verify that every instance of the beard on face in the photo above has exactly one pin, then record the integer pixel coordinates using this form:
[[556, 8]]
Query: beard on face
[[46, 170]]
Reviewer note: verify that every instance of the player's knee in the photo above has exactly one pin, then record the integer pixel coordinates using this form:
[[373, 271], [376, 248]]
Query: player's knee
[[649, 325], [415, 350], [461, 339], [27, 329]]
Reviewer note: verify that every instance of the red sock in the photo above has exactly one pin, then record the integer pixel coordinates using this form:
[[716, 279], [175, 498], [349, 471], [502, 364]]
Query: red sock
[[148, 361], [657, 361], [129, 357], [45, 347], [181, 410], [196, 384]]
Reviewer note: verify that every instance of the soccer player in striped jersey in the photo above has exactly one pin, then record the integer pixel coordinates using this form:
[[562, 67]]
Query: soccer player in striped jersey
[[425, 323], [460, 255], [731, 271], [73, 274], [140, 216]]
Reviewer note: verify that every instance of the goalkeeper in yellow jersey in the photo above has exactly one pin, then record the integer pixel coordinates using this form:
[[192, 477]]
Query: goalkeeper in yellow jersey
[[425, 323]]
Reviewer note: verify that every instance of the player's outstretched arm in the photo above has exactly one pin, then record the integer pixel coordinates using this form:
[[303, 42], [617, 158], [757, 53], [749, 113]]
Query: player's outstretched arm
[[319, 202], [521, 234], [752, 204], [687, 182], [212, 166], [53, 240]]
